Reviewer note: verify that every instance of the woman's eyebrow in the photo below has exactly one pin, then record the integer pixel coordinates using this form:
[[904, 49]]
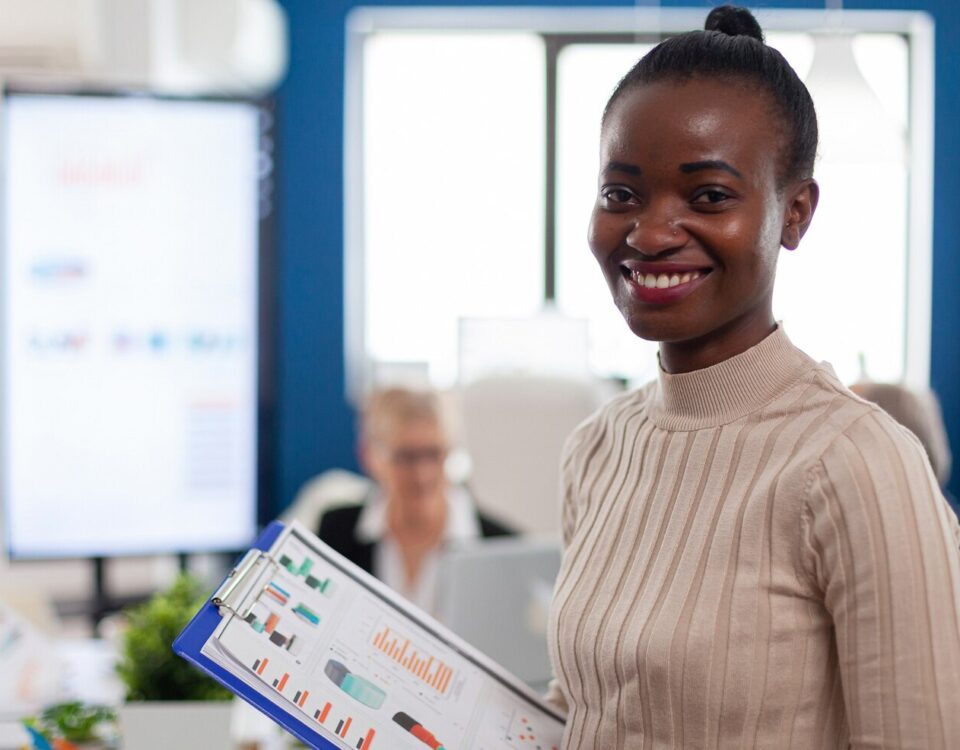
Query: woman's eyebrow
[[620, 166], [697, 166]]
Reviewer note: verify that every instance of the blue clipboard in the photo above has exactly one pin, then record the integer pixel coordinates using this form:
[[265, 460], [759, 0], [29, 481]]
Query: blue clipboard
[[198, 632]]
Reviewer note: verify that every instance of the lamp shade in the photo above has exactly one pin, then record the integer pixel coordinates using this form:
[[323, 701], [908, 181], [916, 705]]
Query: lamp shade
[[855, 127]]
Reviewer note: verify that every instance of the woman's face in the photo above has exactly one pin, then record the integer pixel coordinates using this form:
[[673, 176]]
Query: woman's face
[[691, 214], [408, 462]]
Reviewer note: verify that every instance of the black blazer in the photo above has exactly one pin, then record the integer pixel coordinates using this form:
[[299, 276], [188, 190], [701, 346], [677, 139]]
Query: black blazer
[[338, 528]]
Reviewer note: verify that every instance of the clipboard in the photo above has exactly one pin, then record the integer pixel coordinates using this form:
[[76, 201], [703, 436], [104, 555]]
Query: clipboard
[[321, 646], [191, 640]]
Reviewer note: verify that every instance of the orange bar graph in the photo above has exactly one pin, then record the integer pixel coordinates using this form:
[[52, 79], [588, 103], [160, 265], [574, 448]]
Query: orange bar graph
[[283, 682], [303, 698], [366, 743], [263, 666], [346, 727], [415, 663], [324, 713]]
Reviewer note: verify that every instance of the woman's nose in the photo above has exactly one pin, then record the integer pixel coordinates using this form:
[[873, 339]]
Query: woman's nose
[[655, 231]]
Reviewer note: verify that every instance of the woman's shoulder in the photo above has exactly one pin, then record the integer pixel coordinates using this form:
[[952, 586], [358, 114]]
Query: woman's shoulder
[[858, 435], [848, 413], [338, 520], [872, 484], [623, 411], [631, 403]]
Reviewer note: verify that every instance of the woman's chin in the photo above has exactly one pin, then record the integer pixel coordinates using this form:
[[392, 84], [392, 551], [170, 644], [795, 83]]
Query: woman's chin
[[652, 327], [416, 501]]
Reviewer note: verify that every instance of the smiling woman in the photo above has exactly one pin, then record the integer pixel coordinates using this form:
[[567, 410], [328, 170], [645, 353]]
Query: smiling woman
[[698, 190], [754, 556]]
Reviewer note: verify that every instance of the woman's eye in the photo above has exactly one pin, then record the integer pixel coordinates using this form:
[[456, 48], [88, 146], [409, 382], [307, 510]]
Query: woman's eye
[[616, 195], [711, 197]]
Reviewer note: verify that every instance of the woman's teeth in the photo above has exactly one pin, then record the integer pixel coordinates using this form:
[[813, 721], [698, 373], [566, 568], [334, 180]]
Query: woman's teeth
[[664, 280]]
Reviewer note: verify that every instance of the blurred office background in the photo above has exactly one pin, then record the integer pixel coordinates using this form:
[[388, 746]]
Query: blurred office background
[[458, 196], [401, 196]]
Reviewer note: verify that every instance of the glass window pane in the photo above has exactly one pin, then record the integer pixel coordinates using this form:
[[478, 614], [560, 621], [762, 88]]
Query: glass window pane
[[454, 169], [843, 292]]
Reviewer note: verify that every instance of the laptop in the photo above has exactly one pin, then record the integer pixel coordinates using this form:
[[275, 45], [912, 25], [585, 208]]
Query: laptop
[[495, 594]]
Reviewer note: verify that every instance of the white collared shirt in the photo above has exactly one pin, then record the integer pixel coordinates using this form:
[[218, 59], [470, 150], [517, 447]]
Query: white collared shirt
[[462, 525]]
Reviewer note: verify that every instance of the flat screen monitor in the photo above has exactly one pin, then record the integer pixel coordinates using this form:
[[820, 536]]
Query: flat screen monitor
[[129, 284]]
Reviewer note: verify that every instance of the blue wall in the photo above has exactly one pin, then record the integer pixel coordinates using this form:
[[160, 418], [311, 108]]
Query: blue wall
[[314, 421]]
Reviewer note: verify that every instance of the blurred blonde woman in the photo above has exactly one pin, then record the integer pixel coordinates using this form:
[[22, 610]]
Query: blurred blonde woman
[[412, 510]]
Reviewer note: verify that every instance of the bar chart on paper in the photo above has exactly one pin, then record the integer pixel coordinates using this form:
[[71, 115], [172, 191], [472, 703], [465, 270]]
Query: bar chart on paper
[[432, 671], [324, 712], [341, 726]]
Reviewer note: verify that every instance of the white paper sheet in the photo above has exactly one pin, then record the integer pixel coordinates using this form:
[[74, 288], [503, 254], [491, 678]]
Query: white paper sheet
[[356, 662]]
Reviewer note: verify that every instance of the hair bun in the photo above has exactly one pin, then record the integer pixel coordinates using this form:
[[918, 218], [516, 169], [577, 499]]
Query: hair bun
[[733, 21]]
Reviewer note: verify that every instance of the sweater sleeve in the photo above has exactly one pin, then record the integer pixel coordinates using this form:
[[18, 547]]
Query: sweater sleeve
[[569, 481], [568, 503], [880, 547]]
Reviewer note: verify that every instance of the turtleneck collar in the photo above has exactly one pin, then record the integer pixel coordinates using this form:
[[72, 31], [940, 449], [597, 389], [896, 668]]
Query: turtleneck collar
[[731, 389]]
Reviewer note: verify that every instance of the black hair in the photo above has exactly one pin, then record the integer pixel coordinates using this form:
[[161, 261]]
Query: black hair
[[732, 46]]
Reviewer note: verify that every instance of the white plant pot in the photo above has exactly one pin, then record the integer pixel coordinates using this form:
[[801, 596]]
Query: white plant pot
[[184, 725]]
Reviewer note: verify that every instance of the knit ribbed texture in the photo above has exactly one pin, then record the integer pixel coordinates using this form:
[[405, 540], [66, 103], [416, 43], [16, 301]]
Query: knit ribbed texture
[[754, 557]]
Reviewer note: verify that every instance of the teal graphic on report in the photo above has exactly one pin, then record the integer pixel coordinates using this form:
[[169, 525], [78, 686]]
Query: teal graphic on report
[[302, 570], [353, 685], [306, 614]]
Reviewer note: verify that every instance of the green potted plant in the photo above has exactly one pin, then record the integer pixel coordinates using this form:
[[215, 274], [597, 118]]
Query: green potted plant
[[168, 702], [77, 725]]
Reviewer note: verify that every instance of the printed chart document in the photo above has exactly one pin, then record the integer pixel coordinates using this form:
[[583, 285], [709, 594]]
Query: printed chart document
[[334, 648]]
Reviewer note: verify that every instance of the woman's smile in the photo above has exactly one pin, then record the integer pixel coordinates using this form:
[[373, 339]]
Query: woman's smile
[[662, 283]]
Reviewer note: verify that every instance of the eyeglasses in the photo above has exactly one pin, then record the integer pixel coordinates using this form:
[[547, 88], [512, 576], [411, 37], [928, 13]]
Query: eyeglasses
[[407, 458]]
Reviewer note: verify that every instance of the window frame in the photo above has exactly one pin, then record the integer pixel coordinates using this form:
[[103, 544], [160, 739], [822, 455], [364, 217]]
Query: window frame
[[560, 27]]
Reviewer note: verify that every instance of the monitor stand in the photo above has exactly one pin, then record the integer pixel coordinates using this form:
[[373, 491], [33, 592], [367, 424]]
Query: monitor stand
[[104, 603]]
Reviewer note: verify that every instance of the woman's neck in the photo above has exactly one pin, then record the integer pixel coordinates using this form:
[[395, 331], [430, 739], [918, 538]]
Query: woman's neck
[[417, 532], [719, 345]]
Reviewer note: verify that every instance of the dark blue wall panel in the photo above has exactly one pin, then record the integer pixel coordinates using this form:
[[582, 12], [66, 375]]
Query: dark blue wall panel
[[315, 423]]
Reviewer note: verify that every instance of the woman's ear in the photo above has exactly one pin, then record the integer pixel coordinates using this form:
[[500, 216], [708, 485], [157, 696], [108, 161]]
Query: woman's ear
[[801, 204]]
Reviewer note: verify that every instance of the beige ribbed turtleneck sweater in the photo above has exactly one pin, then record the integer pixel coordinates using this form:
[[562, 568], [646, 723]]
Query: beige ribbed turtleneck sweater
[[754, 557]]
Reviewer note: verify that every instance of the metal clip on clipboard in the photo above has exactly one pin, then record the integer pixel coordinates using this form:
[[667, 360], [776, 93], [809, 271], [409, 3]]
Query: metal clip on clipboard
[[230, 592]]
